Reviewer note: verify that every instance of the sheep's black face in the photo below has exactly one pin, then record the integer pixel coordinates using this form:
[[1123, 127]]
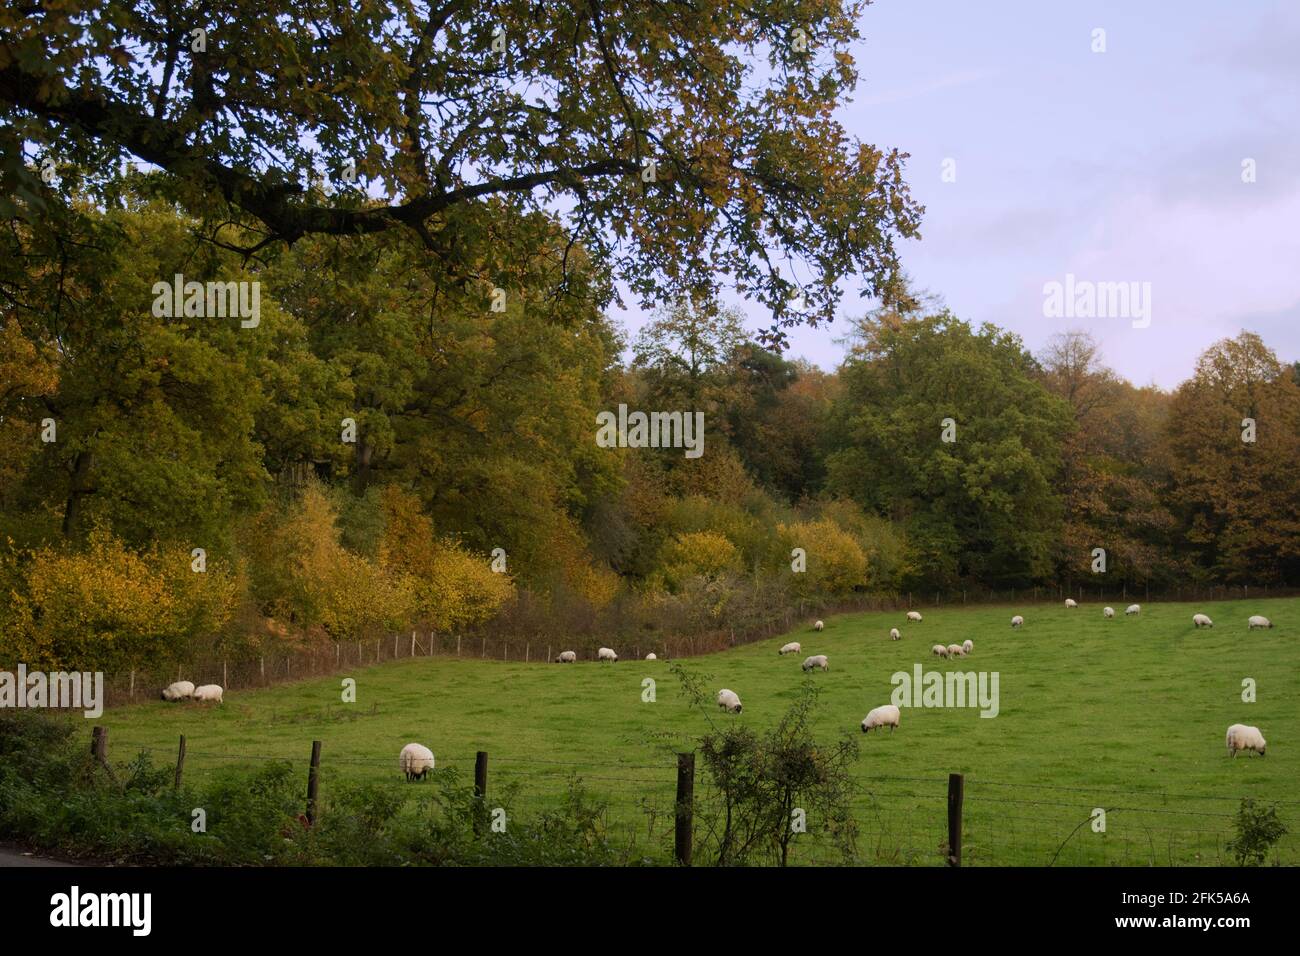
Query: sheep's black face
[[738, 711]]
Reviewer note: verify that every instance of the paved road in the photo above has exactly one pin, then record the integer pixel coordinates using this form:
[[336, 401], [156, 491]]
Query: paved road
[[12, 857]]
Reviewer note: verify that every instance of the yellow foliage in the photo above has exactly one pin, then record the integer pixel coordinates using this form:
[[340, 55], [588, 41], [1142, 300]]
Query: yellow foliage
[[108, 608], [836, 562], [702, 554]]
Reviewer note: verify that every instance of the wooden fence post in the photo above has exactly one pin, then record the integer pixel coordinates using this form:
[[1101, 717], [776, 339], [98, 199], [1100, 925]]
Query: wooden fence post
[[956, 788], [685, 807], [548, 653], [458, 645], [99, 743], [133, 683], [527, 648], [263, 670], [482, 651], [180, 762], [225, 679], [394, 647], [313, 781], [480, 790], [412, 643]]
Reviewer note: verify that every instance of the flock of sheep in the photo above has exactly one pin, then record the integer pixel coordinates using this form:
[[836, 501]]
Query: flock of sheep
[[416, 760], [1240, 736]]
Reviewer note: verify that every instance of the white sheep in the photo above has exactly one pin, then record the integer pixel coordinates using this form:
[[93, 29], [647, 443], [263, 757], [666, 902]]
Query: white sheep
[[415, 760], [180, 690], [967, 646], [566, 657], [1258, 620], [818, 661], [1017, 621], [955, 650], [1242, 737], [914, 617], [728, 701], [209, 692], [606, 654], [886, 716], [894, 634], [652, 656], [939, 650], [1108, 612], [1070, 602], [1133, 609], [818, 625], [1201, 620], [793, 647]]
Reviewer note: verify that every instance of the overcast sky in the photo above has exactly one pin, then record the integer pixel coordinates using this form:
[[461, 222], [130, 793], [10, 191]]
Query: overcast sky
[[1122, 166]]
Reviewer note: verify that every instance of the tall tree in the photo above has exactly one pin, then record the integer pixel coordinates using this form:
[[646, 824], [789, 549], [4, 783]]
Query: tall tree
[[680, 142], [943, 428]]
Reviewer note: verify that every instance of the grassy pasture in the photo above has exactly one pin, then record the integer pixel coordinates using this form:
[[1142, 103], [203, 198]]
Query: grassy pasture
[[1126, 714]]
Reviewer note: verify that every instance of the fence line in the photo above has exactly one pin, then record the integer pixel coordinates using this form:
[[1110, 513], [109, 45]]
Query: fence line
[[916, 825]]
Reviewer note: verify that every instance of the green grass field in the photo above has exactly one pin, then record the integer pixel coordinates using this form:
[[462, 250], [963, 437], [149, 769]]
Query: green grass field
[[1126, 714]]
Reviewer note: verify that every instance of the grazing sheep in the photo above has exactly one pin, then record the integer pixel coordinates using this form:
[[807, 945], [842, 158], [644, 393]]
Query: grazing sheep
[[1133, 609], [914, 617], [1201, 620], [728, 701], [955, 650], [209, 692], [652, 656], [894, 634], [1017, 621], [1242, 737], [1258, 620], [1108, 612], [818, 625], [817, 660], [566, 657], [180, 690], [886, 716], [415, 760], [792, 648], [939, 650], [606, 654], [967, 646], [1070, 602]]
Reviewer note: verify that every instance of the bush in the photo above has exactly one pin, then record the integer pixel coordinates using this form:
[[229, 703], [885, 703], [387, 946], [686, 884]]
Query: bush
[[1256, 830]]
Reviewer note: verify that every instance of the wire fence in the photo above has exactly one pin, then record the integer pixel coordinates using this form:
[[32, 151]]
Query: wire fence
[[899, 820]]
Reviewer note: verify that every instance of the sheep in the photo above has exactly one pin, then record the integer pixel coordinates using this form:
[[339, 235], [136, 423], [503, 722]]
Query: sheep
[[793, 647], [652, 656], [817, 660], [1242, 737], [566, 657], [606, 654], [955, 650], [209, 692], [894, 634], [415, 760], [180, 690], [967, 646], [728, 701], [1108, 612], [914, 617], [1017, 621], [1070, 602], [1133, 609], [818, 625], [939, 650], [1201, 620], [882, 717], [1258, 620]]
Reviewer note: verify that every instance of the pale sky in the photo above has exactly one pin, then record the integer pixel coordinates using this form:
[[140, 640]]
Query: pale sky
[[1122, 166]]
